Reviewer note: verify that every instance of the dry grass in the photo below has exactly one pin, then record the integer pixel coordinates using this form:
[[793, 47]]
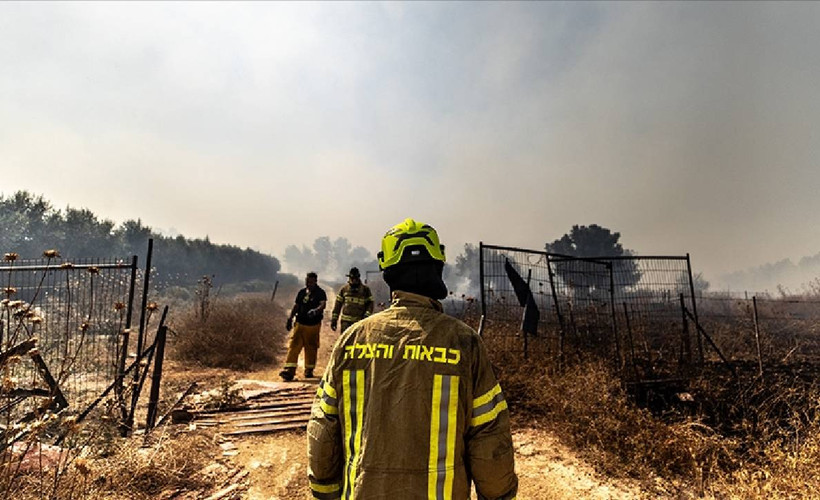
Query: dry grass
[[589, 409], [129, 472], [239, 334], [772, 448]]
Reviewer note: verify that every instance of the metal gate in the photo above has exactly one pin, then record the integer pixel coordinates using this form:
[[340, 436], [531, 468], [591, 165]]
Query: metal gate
[[637, 311], [73, 315]]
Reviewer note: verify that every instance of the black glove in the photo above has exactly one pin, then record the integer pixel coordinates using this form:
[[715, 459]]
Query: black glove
[[289, 324]]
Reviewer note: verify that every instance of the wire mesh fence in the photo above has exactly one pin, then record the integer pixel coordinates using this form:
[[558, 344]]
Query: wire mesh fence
[[760, 332], [638, 312], [77, 311], [503, 311]]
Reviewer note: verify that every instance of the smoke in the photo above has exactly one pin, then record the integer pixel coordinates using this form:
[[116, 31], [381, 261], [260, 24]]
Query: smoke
[[783, 276], [684, 126], [331, 259]]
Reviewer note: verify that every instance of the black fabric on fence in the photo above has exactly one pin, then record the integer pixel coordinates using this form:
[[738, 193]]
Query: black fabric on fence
[[525, 299]]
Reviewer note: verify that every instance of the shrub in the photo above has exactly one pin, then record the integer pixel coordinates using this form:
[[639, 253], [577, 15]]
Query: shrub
[[770, 448], [587, 407], [238, 334]]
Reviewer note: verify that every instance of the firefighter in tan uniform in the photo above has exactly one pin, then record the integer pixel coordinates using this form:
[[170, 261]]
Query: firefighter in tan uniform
[[354, 301], [409, 407], [308, 310]]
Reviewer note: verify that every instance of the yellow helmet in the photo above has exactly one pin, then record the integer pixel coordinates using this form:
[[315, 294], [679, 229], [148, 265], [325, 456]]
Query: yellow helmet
[[404, 243]]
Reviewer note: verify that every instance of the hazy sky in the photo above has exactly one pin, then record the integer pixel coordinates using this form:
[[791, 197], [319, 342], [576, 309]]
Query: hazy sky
[[688, 127]]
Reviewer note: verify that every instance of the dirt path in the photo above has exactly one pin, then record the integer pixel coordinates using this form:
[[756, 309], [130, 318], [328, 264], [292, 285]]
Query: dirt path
[[546, 469], [277, 463]]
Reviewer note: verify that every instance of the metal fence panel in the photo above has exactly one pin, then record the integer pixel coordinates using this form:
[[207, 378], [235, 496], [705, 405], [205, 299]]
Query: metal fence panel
[[631, 309], [77, 311]]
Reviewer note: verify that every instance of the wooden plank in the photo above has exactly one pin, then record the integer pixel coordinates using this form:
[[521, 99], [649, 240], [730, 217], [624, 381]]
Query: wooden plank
[[256, 416], [257, 409], [273, 428], [272, 422], [281, 402], [273, 414], [285, 393]]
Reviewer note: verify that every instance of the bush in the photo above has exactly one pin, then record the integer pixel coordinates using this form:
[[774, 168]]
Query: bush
[[239, 334], [772, 451], [587, 407]]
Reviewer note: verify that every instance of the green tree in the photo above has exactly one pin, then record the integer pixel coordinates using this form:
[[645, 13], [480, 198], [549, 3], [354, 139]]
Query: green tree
[[593, 241], [25, 223], [133, 235], [29, 225]]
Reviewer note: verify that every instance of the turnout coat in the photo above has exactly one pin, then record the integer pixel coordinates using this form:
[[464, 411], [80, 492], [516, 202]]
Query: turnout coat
[[409, 408]]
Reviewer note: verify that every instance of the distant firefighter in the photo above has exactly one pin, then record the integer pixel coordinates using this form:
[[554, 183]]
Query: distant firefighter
[[308, 310], [354, 301]]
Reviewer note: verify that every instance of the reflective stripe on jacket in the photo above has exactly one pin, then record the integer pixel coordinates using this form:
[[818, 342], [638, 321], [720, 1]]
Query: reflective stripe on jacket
[[353, 303], [407, 406]]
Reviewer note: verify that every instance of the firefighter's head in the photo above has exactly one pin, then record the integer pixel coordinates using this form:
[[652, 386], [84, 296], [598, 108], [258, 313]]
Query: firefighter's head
[[354, 277], [311, 279], [412, 259]]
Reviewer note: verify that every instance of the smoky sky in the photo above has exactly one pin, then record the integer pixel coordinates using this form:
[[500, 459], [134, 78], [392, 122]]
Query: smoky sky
[[687, 127]]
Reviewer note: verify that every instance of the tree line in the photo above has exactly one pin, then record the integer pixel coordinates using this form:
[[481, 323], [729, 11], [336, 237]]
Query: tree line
[[29, 225]]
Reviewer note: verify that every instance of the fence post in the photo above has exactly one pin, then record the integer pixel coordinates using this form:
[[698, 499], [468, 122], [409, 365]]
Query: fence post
[[275, 286], [126, 337], [156, 378], [145, 283], [140, 378], [481, 277], [694, 305], [757, 337], [126, 428]]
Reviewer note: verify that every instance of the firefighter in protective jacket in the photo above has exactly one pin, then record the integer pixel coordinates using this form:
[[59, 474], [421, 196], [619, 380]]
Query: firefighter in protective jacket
[[353, 302], [409, 407]]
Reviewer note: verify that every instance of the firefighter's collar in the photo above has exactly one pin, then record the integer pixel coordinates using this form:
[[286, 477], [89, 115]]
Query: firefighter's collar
[[407, 299]]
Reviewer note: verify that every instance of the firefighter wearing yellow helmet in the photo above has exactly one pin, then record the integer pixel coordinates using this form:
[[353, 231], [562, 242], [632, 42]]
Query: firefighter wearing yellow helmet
[[409, 407], [353, 302]]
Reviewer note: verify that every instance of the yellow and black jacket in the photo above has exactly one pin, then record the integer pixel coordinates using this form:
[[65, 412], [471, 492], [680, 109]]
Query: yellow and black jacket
[[409, 408], [353, 303]]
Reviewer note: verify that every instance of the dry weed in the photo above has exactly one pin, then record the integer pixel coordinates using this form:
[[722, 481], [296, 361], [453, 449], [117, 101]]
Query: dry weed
[[771, 449], [114, 470], [239, 334], [587, 406]]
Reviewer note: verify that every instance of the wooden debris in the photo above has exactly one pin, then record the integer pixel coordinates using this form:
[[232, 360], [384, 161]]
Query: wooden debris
[[270, 428], [228, 491], [286, 408]]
